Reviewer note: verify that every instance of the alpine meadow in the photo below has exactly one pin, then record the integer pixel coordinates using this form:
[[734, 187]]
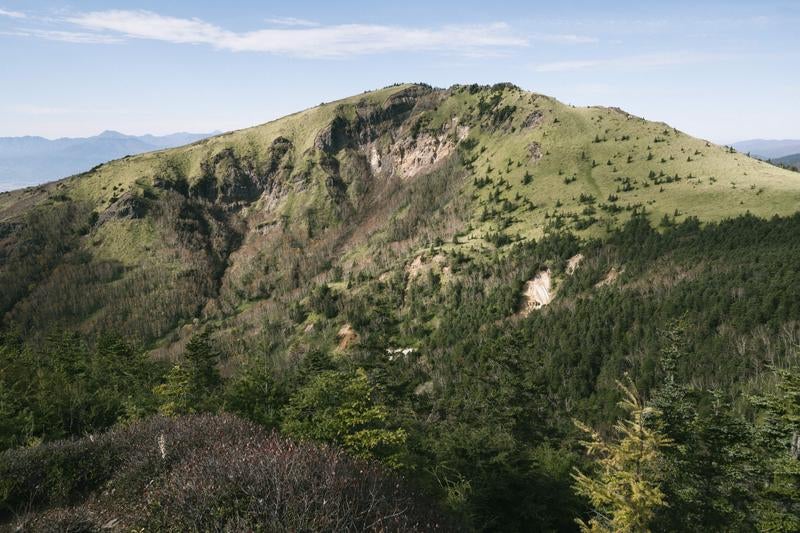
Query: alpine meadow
[[419, 308]]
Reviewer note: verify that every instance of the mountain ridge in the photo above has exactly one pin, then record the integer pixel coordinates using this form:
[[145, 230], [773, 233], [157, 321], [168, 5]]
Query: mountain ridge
[[224, 228], [792, 160], [768, 148]]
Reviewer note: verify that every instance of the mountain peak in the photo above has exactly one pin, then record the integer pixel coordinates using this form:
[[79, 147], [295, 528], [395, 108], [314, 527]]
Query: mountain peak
[[113, 134]]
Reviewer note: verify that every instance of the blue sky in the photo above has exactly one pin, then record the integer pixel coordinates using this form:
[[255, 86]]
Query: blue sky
[[724, 71]]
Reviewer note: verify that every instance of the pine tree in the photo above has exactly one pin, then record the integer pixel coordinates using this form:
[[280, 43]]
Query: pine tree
[[192, 385], [257, 395], [625, 491], [779, 433], [174, 394], [711, 470]]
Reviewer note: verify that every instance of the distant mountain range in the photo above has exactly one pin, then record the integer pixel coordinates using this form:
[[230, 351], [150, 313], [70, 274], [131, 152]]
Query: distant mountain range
[[769, 149], [26, 161], [792, 160]]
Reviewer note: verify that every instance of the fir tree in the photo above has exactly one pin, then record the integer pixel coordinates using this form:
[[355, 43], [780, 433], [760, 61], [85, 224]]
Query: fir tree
[[625, 491]]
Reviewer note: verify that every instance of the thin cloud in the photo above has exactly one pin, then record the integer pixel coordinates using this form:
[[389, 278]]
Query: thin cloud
[[291, 21], [564, 38], [321, 41], [45, 110], [75, 37], [30, 109], [630, 62], [12, 14]]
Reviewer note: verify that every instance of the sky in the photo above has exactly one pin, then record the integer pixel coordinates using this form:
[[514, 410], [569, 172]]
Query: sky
[[720, 70]]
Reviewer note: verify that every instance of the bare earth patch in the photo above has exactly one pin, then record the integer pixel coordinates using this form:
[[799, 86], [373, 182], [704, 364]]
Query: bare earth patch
[[346, 336], [610, 278], [573, 263], [538, 292]]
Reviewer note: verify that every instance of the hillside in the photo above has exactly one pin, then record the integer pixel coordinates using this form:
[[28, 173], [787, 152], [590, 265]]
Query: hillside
[[456, 283], [789, 161], [226, 229], [26, 161]]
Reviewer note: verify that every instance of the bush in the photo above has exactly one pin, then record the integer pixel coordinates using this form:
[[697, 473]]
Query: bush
[[203, 473]]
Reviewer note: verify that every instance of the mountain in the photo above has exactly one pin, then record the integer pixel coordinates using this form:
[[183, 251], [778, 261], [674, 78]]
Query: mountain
[[768, 149], [26, 161], [230, 224], [792, 160], [464, 284]]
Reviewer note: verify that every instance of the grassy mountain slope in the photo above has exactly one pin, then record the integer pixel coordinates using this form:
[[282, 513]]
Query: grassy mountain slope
[[234, 228]]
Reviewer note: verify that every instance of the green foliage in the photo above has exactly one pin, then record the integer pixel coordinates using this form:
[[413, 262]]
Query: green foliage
[[65, 387], [174, 393], [192, 385], [625, 493], [473, 400], [338, 407], [324, 301], [256, 394], [780, 436]]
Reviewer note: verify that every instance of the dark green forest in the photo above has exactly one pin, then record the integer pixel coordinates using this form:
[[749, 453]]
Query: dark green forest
[[667, 401]]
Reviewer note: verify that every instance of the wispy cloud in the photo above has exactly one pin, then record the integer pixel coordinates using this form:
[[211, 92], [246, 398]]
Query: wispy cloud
[[12, 14], [563, 38], [49, 110], [291, 21], [629, 62], [319, 41], [77, 37], [30, 109]]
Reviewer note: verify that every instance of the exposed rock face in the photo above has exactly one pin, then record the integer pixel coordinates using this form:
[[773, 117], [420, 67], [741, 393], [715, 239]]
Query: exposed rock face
[[573, 263], [127, 207], [412, 157], [424, 389], [334, 136], [346, 337], [417, 154], [538, 292], [535, 150], [229, 178], [420, 266], [377, 141], [371, 121], [533, 120], [386, 140]]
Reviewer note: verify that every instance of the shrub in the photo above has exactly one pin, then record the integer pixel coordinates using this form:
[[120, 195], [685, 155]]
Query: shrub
[[204, 473], [338, 407]]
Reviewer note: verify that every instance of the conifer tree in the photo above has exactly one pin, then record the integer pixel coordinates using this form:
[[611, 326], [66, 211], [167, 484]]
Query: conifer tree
[[173, 394], [780, 434], [192, 384], [625, 490]]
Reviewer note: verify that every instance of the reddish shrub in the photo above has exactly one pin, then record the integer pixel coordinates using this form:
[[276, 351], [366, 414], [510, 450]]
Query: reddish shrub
[[204, 473]]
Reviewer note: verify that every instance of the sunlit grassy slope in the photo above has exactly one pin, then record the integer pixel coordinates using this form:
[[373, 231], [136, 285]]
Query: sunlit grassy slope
[[594, 151]]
